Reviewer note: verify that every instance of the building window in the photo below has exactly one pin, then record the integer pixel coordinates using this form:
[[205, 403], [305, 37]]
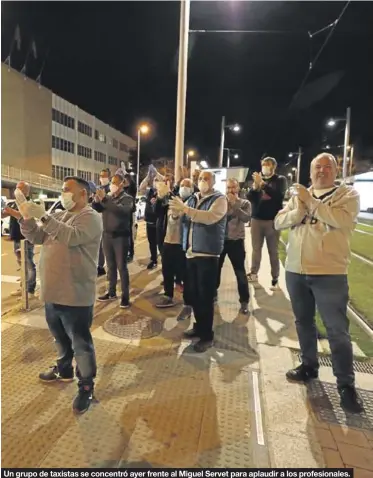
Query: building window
[[100, 157], [97, 134], [115, 143], [113, 161], [84, 129], [60, 172], [62, 118], [84, 151], [86, 175], [63, 144], [123, 147]]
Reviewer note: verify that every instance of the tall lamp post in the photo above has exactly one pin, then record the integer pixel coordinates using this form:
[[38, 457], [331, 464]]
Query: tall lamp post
[[299, 162], [190, 154], [182, 85], [233, 127], [331, 123], [143, 129]]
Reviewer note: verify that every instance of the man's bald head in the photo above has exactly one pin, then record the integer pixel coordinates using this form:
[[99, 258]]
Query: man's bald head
[[324, 170], [186, 183], [24, 187]]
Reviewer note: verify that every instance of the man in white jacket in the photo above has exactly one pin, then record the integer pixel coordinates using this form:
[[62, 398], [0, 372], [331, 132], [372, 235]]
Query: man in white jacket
[[321, 220]]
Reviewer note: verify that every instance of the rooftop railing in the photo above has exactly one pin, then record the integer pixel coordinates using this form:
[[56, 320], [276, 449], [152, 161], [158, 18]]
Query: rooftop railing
[[36, 180]]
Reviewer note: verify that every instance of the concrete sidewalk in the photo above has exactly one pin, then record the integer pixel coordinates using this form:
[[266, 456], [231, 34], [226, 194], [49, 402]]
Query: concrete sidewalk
[[161, 405]]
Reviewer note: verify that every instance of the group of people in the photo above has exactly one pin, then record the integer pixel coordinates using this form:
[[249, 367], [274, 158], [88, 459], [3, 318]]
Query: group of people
[[194, 227]]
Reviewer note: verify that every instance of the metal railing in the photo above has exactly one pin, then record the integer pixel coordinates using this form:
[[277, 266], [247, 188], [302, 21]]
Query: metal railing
[[36, 180]]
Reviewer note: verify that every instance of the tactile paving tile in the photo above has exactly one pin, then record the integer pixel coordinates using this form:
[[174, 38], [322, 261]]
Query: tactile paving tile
[[326, 361], [324, 399], [158, 406], [134, 327]]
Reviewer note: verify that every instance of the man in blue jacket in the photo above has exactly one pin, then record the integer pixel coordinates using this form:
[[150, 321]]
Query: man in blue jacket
[[203, 230]]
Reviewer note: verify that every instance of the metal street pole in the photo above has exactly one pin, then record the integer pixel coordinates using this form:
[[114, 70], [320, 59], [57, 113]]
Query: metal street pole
[[222, 138], [138, 158], [299, 163], [182, 86], [228, 158], [347, 140], [351, 159]]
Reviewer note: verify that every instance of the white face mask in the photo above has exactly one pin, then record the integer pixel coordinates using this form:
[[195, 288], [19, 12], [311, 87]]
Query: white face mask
[[203, 186], [113, 188], [266, 171], [185, 192], [104, 181], [67, 201]]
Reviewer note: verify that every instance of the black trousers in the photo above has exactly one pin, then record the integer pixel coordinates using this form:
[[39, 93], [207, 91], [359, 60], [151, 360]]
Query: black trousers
[[151, 233], [116, 254], [202, 274], [131, 250], [173, 265], [235, 250]]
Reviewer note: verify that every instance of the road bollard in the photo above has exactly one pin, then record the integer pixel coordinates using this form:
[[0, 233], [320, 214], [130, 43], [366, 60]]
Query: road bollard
[[24, 276]]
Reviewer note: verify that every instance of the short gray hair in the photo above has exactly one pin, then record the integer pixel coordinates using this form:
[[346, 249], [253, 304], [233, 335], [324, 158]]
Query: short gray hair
[[271, 160]]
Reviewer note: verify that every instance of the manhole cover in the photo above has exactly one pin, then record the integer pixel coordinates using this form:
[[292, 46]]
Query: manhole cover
[[324, 398], [133, 327]]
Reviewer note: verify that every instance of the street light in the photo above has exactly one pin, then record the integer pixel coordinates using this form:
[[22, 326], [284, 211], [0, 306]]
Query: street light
[[236, 128], [143, 129], [331, 123], [297, 169], [189, 154], [236, 156]]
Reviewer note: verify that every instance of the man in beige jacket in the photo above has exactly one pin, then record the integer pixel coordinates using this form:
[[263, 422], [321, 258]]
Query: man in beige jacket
[[321, 220]]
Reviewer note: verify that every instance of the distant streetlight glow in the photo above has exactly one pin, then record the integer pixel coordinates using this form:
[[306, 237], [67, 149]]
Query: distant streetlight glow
[[236, 156], [190, 153], [236, 128], [327, 146], [331, 123], [290, 155], [143, 129]]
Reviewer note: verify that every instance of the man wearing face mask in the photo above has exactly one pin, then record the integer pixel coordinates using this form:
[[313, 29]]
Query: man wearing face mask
[[234, 244], [131, 189], [173, 257], [165, 189], [116, 208], [105, 185], [266, 197], [204, 219], [147, 187], [67, 267]]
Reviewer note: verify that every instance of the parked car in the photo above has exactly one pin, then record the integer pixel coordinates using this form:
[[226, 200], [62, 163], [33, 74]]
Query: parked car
[[140, 207], [51, 205]]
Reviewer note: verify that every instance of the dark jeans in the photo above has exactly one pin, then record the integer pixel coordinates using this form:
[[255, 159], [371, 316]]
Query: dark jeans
[[101, 256], [329, 293], [202, 275], [131, 250], [151, 233], [31, 267], [173, 263], [235, 250], [261, 230], [116, 254], [70, 327]]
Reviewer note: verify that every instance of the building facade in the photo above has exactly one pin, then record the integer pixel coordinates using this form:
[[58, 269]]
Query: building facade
[[45, 135]]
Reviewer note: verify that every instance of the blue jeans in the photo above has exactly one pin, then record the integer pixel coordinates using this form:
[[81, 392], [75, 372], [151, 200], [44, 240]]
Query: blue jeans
[[70, 327], [31, 267], [329, 293]]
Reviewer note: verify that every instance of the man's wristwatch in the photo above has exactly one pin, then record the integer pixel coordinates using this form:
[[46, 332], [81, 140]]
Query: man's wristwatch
[[44, 219]]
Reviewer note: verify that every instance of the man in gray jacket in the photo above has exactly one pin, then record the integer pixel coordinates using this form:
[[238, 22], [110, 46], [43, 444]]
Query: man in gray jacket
[[234, 244], [321, 220], [68, 271]]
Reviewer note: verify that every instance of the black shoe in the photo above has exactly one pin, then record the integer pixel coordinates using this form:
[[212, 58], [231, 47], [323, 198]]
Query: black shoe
[[106, 297], [83, 399], [244, 309], [274, 285], [302, 373], [152, 265], [191, 334], [350, 401], [54, 375], [185, 313], [202, 345], [125, 304], [165, 302], [129, 259], [101, 271]]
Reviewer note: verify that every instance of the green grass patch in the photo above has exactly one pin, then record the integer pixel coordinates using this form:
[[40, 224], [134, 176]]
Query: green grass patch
[[365, 221], [362, 244], [360, 277], [365, 228]]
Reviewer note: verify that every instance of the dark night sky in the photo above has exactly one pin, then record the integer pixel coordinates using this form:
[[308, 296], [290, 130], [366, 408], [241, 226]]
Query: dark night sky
[[117, 60]]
